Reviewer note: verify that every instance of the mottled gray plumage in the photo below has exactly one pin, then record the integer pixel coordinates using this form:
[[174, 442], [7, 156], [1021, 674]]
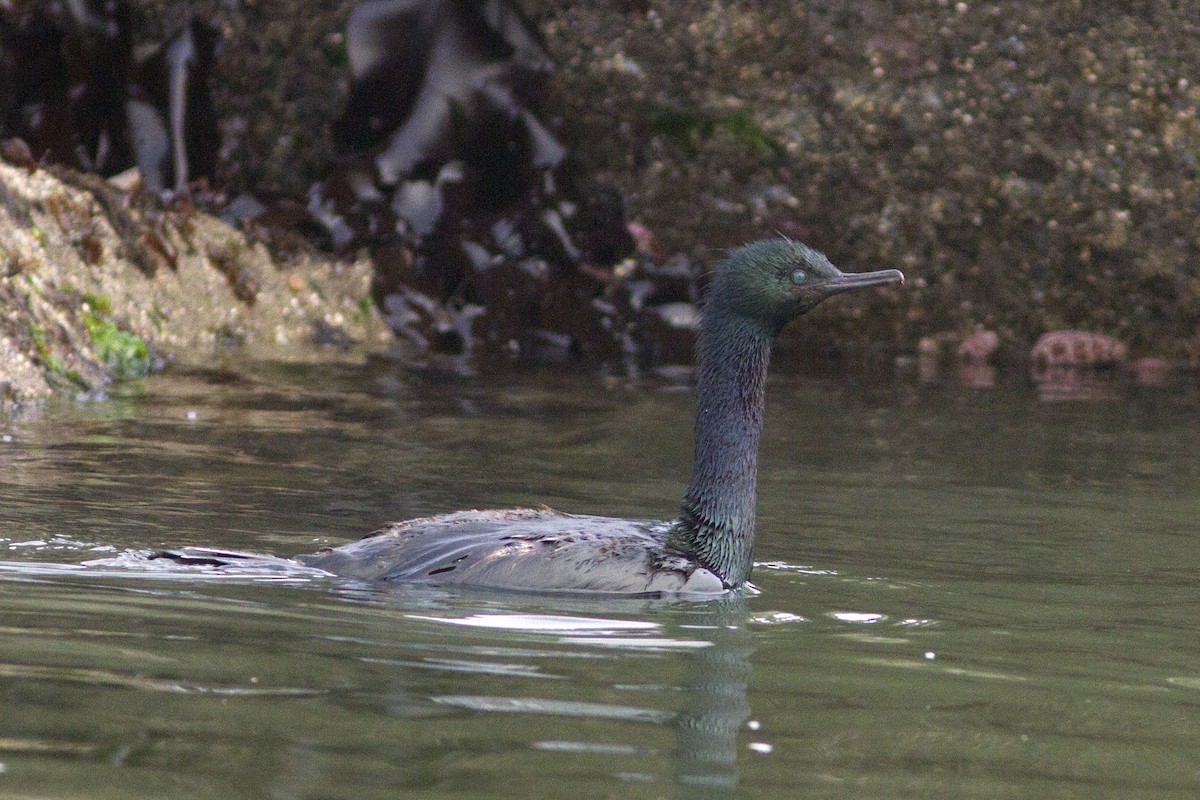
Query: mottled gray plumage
[[522, 549], [757, 290]]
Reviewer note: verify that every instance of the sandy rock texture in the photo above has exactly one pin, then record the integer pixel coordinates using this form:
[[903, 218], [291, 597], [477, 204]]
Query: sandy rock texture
[[1031, 166], [97, 285]]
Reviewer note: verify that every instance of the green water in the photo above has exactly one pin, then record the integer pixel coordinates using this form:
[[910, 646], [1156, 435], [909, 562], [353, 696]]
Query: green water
[[964, 593]]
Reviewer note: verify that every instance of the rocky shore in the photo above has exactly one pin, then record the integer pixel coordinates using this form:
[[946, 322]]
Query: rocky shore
[[96, 287], [1031, 167]]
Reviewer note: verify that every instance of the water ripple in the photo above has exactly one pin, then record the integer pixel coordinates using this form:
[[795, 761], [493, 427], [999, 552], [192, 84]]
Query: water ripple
[[543, 623], [563, 708], [645, 644], [99, 677], [464, 665], [594, 748]]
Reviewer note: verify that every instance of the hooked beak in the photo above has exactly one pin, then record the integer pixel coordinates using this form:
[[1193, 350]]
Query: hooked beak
[[862, 280]]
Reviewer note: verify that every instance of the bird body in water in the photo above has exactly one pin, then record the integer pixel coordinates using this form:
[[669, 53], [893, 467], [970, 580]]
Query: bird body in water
[[707, 550]]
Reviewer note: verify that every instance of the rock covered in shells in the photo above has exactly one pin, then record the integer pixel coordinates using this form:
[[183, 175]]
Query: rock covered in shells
[[1077, 348], [490, 239], [78, 92]]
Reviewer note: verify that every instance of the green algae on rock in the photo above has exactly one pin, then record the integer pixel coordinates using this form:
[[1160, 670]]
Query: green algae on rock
[[76, 316], [1033, 166]]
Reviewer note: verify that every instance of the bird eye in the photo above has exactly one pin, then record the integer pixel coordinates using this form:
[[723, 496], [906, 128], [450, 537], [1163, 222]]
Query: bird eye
[[799, 276]]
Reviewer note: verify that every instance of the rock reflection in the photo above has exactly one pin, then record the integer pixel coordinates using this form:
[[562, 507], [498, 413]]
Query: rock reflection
[[974, 358], [977, 376], [1073, 383], [1150, 371]]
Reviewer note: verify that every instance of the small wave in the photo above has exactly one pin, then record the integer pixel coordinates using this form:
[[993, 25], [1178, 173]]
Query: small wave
[[543, 623], [564, 708]]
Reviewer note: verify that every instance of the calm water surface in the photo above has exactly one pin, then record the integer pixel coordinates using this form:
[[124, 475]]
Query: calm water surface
[[963, 594]]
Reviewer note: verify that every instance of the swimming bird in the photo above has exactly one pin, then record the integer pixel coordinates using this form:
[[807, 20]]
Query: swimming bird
[[708, 549]]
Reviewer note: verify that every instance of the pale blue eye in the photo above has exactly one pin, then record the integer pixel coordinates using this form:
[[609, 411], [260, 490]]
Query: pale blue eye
[[799, 277]]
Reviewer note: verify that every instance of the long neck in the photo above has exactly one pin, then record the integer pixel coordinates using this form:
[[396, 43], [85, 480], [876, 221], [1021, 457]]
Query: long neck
[[716, 525]]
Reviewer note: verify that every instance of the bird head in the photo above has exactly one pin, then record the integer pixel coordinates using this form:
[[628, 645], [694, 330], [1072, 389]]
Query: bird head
[[773, 281]]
